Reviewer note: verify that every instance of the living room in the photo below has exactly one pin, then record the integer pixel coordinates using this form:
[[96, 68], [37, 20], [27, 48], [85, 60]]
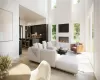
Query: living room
[[64, 27]]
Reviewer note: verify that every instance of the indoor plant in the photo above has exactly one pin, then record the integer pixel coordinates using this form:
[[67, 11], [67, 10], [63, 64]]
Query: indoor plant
[[5, 63]]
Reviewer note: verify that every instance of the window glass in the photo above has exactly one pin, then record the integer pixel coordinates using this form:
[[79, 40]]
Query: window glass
[[76, 32], [53, 32], [53, 4], [76, 1]]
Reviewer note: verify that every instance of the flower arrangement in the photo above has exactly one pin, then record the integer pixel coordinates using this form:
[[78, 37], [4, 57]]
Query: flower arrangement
[[5, 63]]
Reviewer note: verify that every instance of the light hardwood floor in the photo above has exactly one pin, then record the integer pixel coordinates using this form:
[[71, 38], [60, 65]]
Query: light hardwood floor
[[22, 68]]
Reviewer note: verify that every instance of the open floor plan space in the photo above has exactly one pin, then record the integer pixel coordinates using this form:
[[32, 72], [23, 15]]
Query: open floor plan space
[[49, 39]]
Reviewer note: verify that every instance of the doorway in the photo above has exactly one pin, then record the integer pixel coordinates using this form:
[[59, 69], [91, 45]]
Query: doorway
[[20, 38]]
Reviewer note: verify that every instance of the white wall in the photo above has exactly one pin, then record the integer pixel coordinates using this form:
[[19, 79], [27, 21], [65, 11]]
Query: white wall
[[96, 55], [60, 15], [63, 11], [37, 22], [97, 38], [49, 19], [88, 5], [78, 11], [88, 13], [89, 22], [78, 16], [38, 6], [23, 23], [41, 21], [63, 15], [11, 48]]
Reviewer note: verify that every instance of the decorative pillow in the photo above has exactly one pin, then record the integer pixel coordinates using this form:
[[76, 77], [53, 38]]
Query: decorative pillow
[[35, 45], [49, 44], [44, 44], [40, 46]]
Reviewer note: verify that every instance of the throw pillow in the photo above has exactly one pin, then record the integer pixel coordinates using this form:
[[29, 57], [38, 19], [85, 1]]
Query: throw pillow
[[49, 44], [40, 46], [35, 45], [44, 44]]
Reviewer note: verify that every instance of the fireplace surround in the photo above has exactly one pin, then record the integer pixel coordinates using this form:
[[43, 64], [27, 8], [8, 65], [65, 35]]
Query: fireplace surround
[[64, 39]]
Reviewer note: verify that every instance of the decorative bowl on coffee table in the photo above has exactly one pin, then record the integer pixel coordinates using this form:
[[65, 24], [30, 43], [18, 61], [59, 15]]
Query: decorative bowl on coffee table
[[62, 51]]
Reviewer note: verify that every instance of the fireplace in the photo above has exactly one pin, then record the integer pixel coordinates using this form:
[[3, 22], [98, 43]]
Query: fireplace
[[64, 39]]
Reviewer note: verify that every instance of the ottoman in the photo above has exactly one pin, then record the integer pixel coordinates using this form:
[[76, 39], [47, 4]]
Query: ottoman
[[67, 63]]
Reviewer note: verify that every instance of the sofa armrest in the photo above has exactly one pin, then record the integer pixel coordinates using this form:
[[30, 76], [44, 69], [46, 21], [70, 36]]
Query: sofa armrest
[[49, 56], [34, 54]]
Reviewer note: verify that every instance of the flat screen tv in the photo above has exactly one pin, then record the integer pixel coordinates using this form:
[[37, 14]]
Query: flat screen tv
[[63, 28]]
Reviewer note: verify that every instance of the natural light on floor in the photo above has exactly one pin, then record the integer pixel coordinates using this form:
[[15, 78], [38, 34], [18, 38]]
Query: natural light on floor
[[20, 69], [84, 62]]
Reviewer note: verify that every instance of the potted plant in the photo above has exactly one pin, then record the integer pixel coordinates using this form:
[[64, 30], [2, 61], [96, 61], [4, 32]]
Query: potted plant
[[5, 63]]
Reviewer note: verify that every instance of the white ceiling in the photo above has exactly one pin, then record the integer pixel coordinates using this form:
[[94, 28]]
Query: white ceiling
[[28, 15]]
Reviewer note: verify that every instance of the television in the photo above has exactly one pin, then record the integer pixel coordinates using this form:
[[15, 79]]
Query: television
[[63, 28]]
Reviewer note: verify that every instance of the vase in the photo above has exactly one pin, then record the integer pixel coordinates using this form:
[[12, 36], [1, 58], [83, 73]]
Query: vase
[[3, 74]]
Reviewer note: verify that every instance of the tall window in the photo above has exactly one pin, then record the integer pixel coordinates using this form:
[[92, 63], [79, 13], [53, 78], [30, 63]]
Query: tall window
[[53, 4], [76, 32], [76, 1], [54, 32]]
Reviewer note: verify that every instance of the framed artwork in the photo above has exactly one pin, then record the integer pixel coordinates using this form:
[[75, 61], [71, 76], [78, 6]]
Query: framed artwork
[[6, 25]]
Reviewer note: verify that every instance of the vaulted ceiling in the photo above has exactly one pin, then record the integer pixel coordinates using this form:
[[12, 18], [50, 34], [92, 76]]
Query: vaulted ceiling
[[28, 15]]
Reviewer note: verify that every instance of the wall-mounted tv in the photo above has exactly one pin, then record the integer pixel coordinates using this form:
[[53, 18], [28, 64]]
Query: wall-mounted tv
[[63, 28]]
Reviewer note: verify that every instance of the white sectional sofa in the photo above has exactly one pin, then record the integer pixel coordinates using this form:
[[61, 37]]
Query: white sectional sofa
[[39, 52], [34, 54], [67, 63]]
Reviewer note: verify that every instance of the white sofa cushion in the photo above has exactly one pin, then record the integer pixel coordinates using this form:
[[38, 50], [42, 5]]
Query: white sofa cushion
[[35, 45], [44, 44], [67, 63], [49, 44], [40, 46], [34, 54], [49, 56]]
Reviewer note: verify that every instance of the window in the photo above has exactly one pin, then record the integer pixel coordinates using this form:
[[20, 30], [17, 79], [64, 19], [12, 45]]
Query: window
[[53, 32], [53, 4], [76, 1], [76, 32]]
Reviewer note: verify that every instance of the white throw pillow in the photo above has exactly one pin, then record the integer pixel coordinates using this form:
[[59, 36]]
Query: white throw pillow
[[49, 44], [35, 45], [40, 46], [44, 44]]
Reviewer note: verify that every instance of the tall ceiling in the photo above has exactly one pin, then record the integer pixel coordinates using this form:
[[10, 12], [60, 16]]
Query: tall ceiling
[[28, 15]]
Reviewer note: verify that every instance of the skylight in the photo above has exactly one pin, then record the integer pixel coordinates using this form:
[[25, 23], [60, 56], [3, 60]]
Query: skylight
[[53, 4]]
